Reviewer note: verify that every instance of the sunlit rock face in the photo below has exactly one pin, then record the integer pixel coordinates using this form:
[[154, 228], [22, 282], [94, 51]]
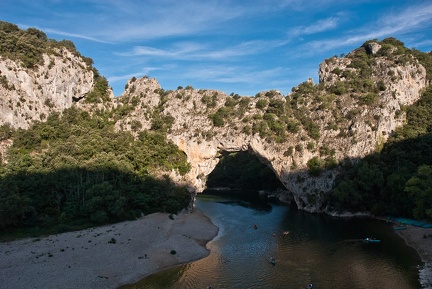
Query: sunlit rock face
[[28, 94], [31, 94]]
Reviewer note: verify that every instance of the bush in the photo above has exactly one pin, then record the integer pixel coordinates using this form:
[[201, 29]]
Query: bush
[[368, 99], [217, 119], [316, 166], [261, 104]]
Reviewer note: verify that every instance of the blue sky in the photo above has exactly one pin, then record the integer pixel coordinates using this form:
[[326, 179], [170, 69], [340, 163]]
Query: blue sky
[[235, 46]]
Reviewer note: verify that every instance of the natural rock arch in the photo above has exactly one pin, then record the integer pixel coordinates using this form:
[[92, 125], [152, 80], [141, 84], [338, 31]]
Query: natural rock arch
[[204, 157], [203, 123]]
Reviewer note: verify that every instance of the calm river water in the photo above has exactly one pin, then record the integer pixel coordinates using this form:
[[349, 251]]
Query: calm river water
[[318, 249]]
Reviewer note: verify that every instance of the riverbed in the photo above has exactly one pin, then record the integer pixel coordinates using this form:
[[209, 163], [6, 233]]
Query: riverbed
[[308, 248]]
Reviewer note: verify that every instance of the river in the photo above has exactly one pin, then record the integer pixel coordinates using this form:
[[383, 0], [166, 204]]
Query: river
[[307, 248]]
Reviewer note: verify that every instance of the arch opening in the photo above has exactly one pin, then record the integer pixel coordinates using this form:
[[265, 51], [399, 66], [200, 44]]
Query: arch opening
[[242, 174]]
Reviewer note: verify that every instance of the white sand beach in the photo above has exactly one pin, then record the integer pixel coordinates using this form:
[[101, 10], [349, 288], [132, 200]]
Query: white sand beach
[[108, 256]]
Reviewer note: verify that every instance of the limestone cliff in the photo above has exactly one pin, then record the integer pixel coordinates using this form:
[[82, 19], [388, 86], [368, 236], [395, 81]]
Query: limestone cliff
[[33, 94]]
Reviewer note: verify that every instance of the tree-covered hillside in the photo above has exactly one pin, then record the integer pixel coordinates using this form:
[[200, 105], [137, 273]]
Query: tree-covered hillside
[[74, 170]]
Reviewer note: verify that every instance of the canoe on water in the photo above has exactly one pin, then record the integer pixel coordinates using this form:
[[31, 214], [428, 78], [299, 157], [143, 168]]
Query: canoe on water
[[371, 240]]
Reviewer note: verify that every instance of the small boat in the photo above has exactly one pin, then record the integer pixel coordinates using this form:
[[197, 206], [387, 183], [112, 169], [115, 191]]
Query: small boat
[[272, 261], [285, 232], [371, 240]]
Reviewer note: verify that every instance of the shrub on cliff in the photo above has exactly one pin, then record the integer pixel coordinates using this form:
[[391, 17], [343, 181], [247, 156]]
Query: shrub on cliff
[[28, 46]]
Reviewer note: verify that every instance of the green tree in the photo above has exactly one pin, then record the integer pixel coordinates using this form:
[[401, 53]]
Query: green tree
[[420, 188]]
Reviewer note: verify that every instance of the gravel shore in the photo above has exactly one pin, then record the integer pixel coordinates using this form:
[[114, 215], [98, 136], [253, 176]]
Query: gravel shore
[[108, 256], [421, 240]]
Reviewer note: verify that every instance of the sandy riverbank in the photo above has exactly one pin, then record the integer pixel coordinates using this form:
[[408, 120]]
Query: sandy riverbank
[[105, 257], [415, 237]]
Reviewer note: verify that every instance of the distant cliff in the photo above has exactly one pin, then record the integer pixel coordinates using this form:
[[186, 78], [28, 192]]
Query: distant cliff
[[304, 136]]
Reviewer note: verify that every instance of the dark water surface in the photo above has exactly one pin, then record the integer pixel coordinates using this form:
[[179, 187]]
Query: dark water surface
[[318, 249]]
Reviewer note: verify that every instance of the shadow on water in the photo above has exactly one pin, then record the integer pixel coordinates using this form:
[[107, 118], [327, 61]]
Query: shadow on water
[[324, 250], [247, 199]]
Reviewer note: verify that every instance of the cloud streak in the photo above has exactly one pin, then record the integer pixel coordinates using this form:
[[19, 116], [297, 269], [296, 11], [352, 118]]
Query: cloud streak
[[411, 19], [195, 51], [73, 35], [319, 26], [165, 18]]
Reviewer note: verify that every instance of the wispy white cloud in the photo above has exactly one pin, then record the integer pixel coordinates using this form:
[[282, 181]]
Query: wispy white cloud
[[125, 77], [245, 48], [421, 43], [251, 79], [411, 19], [232, 74], [156, 19], [319, 26], [73, 35], [129, 20], [179, 50], [197, 51]]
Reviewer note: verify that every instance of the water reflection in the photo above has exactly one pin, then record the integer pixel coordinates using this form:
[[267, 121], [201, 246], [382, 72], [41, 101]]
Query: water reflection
[[246, 199], [326, 251]]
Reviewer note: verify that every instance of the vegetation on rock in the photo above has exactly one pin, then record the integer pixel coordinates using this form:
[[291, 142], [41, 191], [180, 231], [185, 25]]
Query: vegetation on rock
[[74, 170], [28, 46]]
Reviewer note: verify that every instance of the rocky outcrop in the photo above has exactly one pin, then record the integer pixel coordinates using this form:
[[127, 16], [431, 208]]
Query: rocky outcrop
[[373, 48], [30, 95]]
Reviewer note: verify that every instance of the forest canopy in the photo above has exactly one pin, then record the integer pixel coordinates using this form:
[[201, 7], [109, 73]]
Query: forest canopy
[[75, 170]]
